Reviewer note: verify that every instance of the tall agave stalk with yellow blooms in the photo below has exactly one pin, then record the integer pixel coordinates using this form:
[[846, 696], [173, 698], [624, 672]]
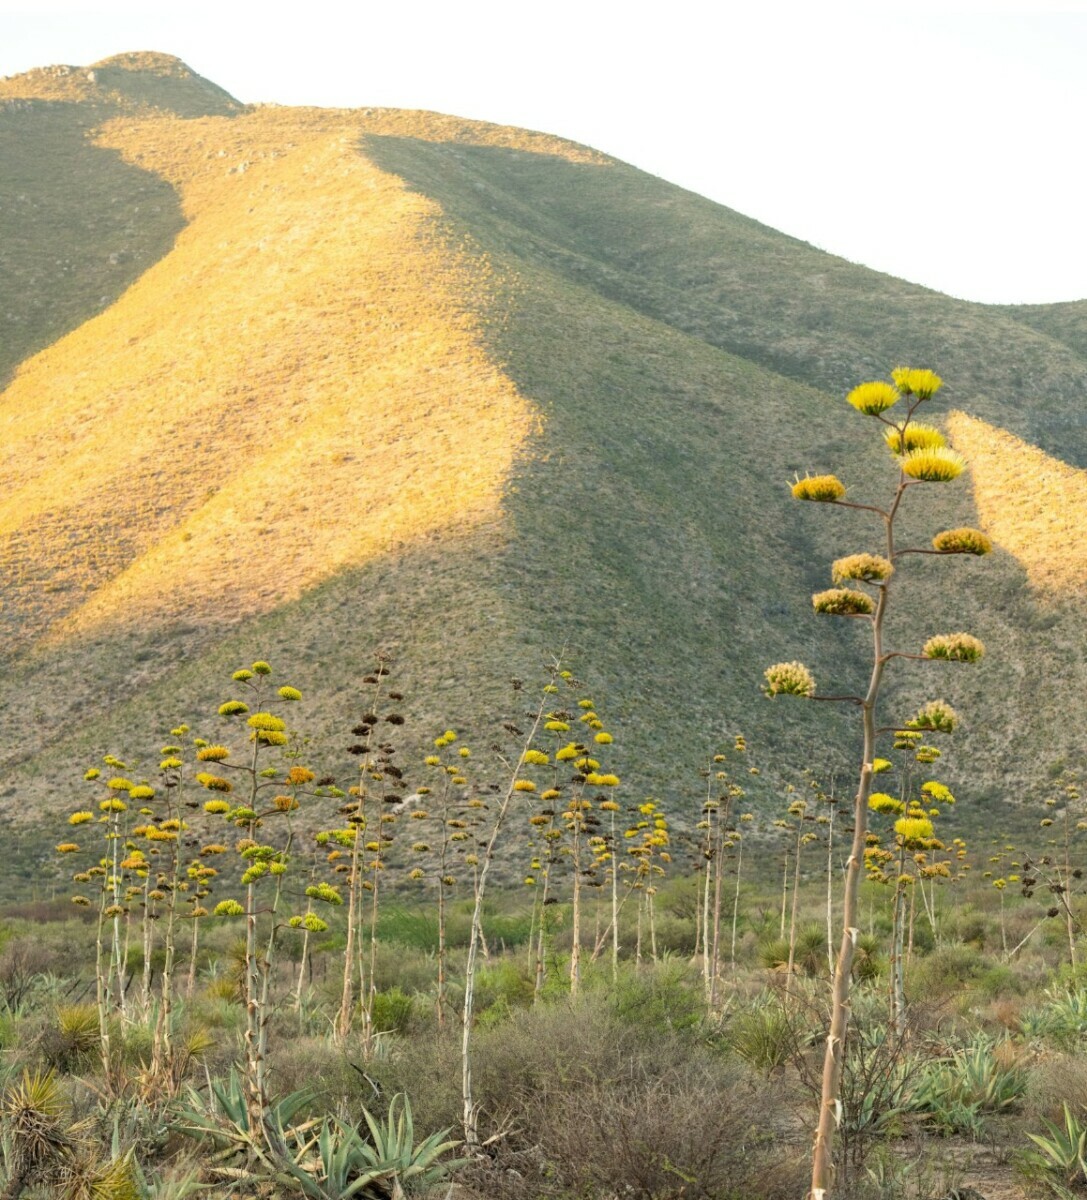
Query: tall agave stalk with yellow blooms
[[107, 875], [258, 793], [648, 841], [719, 835], [380, 784], [906, 855], [578, 788], [450, 814], [861, 591]]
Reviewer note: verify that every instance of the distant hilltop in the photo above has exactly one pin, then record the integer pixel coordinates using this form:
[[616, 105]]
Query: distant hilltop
[[140, 78]]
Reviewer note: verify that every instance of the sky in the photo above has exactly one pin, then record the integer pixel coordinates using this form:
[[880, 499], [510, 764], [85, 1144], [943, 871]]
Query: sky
[[942, 143]]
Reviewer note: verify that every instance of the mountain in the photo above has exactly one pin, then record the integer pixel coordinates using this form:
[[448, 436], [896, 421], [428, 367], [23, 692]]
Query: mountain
[[303, 384]]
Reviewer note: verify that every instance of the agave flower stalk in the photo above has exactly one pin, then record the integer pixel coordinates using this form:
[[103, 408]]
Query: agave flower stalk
[[309, 923], [358, 818], [451, 826], [163, 1048], [798, 809], [550, 836], [108, 873], [711, 857], [261, 860], [736, 891], [578, 820], [469, 1111], [922, 457]]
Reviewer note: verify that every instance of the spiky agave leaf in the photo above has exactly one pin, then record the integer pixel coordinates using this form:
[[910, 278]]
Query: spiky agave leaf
[[35, 1121], [87, 1179]]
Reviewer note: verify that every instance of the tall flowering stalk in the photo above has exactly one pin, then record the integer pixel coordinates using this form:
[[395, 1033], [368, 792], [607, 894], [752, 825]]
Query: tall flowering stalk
[[905, 857], [861, 591], [519, 783], [109, 875], [719, 835], [265, 855], [379, 781], [449, 816]]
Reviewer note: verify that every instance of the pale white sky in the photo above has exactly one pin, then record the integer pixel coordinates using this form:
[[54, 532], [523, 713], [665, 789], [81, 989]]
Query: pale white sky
[[941, 143]]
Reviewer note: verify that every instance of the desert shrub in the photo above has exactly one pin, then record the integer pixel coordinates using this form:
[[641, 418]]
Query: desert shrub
[[426, 1067], [1053, 1082], [335, 1075], [809, 951], [999, 980], [590, 1097], [924, 940], [694, 1125], [406, 967], [762, 1036], [414, 927], [502, 987], [70, 1042], [658, 999], [869, 961], [675, 934], [22, 961], [217, 1012], [879, 1073], [945, 971], [968, 926], [136, 1043]]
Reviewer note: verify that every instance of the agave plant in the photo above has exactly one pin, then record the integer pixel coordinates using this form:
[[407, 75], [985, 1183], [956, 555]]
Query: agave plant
[[395, 1150], [44, 1147], [338, 1163], [325, 1159], [1064, 1151], [224, 1118], [37, 1134]]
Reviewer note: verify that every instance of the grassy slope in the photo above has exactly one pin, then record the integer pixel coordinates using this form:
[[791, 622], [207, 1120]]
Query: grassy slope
[[469, 393], [1065, 322]]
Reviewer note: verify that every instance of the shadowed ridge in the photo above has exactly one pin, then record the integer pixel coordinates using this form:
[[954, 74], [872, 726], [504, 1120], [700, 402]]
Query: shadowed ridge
[[746, 288], [68, 252], [133, 81], [1065, 322]]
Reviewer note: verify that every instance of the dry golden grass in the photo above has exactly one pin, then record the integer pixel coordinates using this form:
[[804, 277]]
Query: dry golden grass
[[1032, 505], [297, 386]]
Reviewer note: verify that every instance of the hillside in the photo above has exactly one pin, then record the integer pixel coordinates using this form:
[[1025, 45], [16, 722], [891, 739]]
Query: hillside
[[300, 384]]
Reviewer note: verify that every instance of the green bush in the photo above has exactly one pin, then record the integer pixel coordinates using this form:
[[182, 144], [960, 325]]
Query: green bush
[[762, 1036], [659, 998], [1061, 1020], [394, 1011]]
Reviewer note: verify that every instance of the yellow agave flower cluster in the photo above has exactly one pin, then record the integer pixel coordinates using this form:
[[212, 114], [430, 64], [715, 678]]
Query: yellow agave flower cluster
[[921, 450]]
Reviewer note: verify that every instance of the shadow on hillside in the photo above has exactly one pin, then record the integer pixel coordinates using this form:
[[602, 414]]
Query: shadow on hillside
[[78, 224], [742, 287], [662, 477]]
